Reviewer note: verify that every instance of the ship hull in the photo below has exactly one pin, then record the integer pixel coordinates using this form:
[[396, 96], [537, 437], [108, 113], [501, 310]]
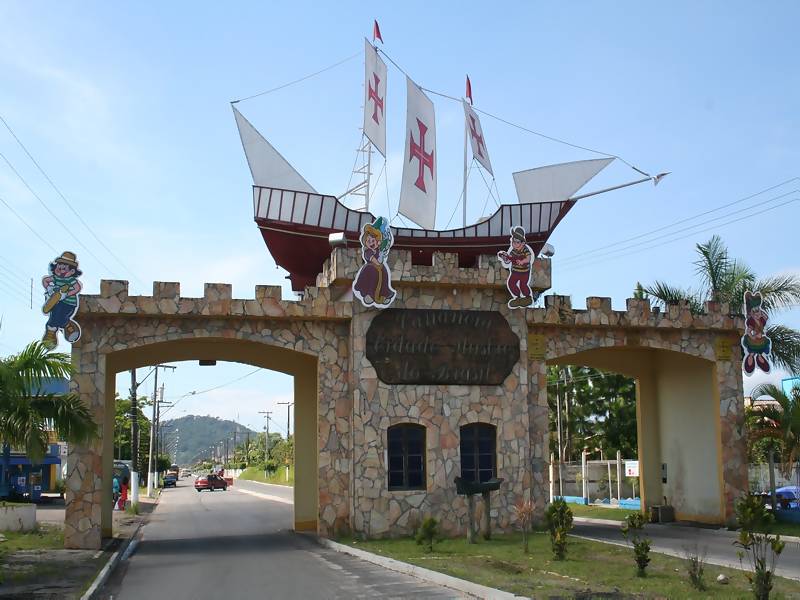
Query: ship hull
[[296, 225]]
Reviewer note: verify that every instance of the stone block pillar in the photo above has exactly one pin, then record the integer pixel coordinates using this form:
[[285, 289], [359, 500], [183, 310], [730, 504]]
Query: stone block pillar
[[88, 516]]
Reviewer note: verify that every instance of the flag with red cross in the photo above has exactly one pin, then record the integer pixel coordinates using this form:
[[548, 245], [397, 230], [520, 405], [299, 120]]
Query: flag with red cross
[[375, 98], [418, 189], [475, 135]]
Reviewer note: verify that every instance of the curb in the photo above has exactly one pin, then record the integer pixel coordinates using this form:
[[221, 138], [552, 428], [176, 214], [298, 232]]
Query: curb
[[474, 590], [111, 564], [593, 521]]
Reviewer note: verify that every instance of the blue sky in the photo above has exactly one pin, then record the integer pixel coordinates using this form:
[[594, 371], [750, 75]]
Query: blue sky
[[127, 109]]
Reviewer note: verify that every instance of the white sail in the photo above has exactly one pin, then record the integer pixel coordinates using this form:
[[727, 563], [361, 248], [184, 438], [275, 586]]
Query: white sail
[[556, 183], [476, 138], [374, 98], [418, 189], [267, 166]]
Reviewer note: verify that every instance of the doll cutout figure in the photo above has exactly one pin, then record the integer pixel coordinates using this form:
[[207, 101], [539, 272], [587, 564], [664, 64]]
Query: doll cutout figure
[[755, 344], [61, 300], [373, 283], [519, 259]]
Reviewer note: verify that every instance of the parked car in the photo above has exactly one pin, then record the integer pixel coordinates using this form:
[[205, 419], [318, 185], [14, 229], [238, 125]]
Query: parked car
[[788, 497], [210, 482], [170, 480]]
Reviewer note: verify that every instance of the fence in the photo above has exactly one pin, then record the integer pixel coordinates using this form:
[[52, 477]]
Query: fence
[[595, 481], [758, 475]]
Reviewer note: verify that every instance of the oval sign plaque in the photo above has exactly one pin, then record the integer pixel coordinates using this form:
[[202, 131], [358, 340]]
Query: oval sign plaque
[[453, 347]]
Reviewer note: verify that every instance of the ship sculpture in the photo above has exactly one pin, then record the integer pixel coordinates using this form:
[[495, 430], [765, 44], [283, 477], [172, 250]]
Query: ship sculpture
[[288, 210]]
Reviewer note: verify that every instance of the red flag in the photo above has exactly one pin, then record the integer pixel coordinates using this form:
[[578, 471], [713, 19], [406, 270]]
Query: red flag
[[376, 32], [469, 90]]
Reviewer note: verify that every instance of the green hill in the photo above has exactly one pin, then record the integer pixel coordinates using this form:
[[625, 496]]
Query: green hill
[[197, 433]]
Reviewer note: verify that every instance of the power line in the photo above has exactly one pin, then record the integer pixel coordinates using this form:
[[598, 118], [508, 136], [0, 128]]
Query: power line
[[52, 214], [24, 222], [67, 202], [193, 393], [593, 262], [681, 221], [595, 255]]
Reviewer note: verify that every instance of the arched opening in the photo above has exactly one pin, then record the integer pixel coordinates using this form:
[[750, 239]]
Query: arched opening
[[677, 424], [301, 366]]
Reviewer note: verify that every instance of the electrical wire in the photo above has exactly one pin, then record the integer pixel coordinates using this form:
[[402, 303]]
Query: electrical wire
[[24, 222], [700, 224], [569, 268], [67, 202], [681, 221], [52, 214], [222, 385]]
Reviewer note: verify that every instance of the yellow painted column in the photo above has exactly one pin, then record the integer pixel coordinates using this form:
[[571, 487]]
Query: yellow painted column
[[648, 439], [306, 496]]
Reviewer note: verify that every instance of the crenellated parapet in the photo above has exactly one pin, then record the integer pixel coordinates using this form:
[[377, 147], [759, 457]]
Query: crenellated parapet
[[217, 301], [343, 265], [639, 314]]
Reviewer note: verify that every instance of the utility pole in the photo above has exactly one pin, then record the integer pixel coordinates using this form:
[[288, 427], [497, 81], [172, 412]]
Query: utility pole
[[266, 414], [289, 406], [153, 460], [134, 414]]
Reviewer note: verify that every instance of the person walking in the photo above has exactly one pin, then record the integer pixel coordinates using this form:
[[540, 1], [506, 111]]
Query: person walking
[[115, 490], [123, 495]]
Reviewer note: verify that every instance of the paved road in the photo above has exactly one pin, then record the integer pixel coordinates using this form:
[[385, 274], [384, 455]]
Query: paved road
[[238, 544], [673, 539]]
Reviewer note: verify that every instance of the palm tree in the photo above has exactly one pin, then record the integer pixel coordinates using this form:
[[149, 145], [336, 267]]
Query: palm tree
[[27, 414], [780, 424], [725, 279]]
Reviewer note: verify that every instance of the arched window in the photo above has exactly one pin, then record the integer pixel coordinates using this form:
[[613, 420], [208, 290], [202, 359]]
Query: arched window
[[406, 457], [478, 452]]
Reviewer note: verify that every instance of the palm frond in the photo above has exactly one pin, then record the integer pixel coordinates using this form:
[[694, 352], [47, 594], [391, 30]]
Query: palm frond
[[780, 291], [785, 347], [70, 417], [664, 294], [712, 265], [737, 280]]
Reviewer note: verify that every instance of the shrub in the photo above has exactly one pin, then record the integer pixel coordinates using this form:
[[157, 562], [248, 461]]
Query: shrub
[[524, 512], [632, 530], [696, 562], [558, 518], [428, 533], [761, 548]]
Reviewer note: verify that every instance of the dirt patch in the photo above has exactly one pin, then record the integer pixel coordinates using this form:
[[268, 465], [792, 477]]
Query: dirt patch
[[45, 574]]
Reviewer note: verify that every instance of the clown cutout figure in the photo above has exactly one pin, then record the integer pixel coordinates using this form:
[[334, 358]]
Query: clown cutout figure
[[373, 283], [519, 259], [755, 344], [61, 300]]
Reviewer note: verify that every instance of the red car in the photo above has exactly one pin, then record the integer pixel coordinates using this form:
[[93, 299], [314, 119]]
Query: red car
[[210, 482]]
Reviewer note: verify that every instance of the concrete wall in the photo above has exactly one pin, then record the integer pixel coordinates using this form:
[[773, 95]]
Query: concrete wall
[[18, 518], [688, 426]]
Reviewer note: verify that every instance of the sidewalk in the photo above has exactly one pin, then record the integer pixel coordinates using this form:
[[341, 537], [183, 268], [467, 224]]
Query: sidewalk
[[45, 571]]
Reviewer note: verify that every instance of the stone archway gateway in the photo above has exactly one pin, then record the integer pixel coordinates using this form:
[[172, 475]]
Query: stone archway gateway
[[450, 353]]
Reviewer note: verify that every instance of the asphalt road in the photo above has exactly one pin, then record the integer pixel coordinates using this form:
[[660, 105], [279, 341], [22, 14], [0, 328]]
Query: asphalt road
[[674, 539], [239, 544]]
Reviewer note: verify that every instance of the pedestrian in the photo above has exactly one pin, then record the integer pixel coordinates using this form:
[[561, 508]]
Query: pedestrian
[[115, 490], [123, 496]]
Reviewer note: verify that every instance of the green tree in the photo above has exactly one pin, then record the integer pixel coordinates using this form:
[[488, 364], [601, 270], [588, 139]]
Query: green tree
[[27, 415], [780, 424], [122, 428], [725, 279], [598, 410]]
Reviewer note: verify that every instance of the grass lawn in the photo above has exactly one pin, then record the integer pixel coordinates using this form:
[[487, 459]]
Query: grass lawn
[[598, 512], [278, 477], [590, 566], [44, 538]]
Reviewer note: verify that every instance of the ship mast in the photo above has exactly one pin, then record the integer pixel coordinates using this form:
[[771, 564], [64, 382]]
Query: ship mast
[[363, 170]]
